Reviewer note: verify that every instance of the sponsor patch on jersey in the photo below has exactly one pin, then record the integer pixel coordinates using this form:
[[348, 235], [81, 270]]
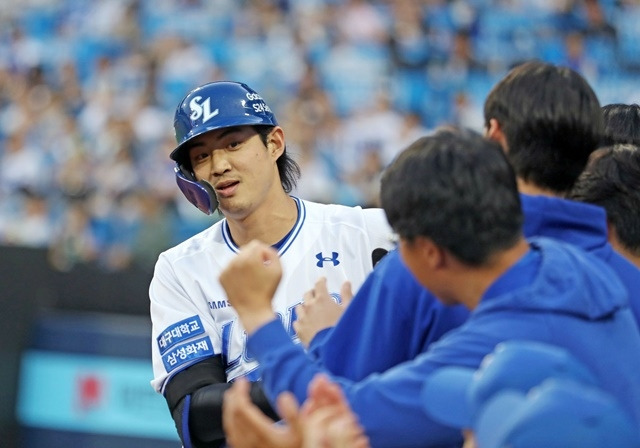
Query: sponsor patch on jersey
[[187, 352], [322, 259], [179, 332]]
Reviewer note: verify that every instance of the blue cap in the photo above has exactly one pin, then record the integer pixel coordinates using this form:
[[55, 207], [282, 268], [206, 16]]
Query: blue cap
[[559, 413], [453, 396]]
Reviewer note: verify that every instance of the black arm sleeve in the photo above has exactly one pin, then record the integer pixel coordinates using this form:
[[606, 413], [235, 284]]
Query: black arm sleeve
[[206, 382]]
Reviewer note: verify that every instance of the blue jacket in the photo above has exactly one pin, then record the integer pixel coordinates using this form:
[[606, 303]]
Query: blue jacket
[[396, 318], [584, 225], [556, 294]]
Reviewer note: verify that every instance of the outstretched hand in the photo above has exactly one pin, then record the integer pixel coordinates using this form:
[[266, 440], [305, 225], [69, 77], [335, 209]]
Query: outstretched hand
[[324, 421], [319, 310], [327, 420]]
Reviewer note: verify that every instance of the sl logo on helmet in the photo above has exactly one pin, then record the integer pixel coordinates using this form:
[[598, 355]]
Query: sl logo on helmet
[[201, 110]]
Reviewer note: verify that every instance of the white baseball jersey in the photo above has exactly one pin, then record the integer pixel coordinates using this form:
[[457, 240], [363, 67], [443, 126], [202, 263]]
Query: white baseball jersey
[[192, 319]]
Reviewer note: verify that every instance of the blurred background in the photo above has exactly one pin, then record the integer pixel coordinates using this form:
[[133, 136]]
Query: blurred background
[[87, 195]]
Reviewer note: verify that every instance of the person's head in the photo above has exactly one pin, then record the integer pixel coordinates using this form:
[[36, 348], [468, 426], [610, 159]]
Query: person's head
[[227, 134], [548, 120], [612, 181], [453, 191], [621, 124]]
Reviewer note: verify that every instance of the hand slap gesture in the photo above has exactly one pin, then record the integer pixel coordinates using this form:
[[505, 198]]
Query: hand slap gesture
[[319, 310]]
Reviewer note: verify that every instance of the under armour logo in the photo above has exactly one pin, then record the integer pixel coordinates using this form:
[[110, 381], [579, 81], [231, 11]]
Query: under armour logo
[[333, 258]]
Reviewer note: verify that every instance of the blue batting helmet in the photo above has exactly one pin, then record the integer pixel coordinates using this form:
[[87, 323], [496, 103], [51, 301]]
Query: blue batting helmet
[[215, 105], [218, 105]]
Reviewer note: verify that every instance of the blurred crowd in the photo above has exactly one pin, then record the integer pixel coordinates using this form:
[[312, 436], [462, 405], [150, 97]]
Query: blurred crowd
[[88, 90]]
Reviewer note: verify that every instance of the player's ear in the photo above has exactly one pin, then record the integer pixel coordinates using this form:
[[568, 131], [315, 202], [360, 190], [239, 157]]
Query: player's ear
[[493, 131], [432, 255], [275, 142]]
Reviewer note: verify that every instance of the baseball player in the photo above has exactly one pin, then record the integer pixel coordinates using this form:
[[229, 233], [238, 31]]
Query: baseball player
[[231, 156]]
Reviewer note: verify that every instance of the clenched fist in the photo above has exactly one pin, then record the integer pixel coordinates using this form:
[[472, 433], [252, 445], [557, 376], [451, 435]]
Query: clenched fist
[[250, 281]]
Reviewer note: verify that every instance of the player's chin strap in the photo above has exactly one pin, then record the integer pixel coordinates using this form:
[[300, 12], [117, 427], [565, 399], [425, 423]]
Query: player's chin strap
[[199, 192]]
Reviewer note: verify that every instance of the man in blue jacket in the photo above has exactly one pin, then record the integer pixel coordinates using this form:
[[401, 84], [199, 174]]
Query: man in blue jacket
[[612, 181], [453, 201], [548, 120]]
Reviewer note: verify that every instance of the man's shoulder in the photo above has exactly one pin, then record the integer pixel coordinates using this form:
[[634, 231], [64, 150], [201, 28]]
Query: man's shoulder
[[197, 243], [571, 279], [337, 214]]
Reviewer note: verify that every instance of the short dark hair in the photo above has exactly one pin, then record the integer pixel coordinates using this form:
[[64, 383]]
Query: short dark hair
[[621, 124], [612, 181], [456, 188], [288, 168], [551, 119]]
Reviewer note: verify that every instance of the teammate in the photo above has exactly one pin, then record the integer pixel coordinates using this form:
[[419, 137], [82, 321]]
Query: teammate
[[612, 181], [548, 137], [611, 178], [453, 201], [231, 156], [621, 124], [325, 420]]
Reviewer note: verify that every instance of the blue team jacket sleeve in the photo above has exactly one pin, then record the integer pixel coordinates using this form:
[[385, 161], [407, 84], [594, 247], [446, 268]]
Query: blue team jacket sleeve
[[556, 294], [317, 343], [388, 405], [391, 319], [272, 347]]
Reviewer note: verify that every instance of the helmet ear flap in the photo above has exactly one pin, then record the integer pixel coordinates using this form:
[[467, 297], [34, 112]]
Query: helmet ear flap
[[199, 192]]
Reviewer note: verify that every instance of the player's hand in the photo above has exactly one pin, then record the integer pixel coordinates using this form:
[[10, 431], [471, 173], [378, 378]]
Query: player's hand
[[250, 281], [327, 421], [246, 426], [319, 310], [469, 439], [330, 427]]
